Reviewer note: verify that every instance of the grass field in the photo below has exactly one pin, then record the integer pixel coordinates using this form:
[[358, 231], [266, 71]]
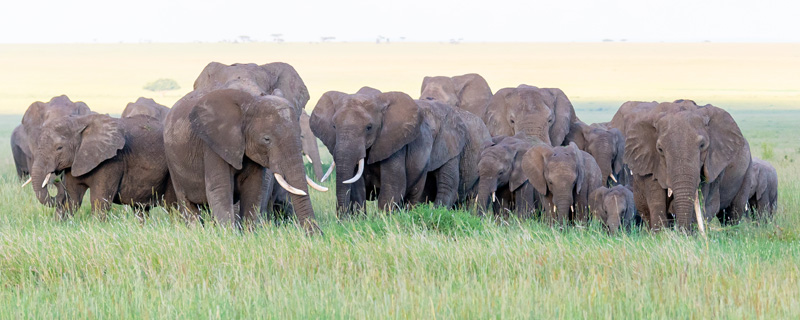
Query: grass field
[[426, 263]]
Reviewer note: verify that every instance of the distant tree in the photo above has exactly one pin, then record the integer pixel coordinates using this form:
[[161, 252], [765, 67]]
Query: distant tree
[[162, 85], [326, 39], [244, 39], [277, 37]]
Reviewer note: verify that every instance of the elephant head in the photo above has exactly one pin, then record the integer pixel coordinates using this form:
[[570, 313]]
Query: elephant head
[[540, 114], [501, 166], [763, 197], [40, 112], [470, 92], [607, 146], [75, 144], [257, 80], [614, 207], [363, 129], [682, 145], [564, 176], [146, 106], [235, 124]]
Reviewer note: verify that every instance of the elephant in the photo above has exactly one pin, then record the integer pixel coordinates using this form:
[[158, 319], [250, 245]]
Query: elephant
[[680, 147], [146, 107], [20, 150], [219, 146], [119, 160], [501, 172], [626, 113], [310, 146], [470, 92], [393, 144], [763, 199], [257, 80], [613, 207], [607, 146], [564, 177], [541, 114]]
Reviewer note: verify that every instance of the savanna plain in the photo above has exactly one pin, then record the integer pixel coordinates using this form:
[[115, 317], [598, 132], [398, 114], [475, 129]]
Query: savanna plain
[[421, 263]]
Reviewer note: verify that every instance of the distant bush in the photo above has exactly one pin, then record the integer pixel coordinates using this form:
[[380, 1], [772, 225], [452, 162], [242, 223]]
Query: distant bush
[[767, 151], [162, 85]]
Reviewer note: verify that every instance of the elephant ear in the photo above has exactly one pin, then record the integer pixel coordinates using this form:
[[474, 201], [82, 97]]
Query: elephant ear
[[630, 208], [321, 120], [217, 120], [204, 80], [597, 203], [619, 146], [286, 78], [472, 88], [534, 163], [640, 146], [725, 141], [577, 134], [762, 181], [518, 177], [580, 158], [497, 112], [401, 121], [449, 129], [101, 137], [564, 115]]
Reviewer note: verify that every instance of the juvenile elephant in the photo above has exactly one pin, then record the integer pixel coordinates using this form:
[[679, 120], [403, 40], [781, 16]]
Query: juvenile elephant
[[501, 173], [118, 160], [540, 114], [219, 145], [607, 146], [675, 148], [470, 92], [564, 177], [146, 106], [614, 207], [763, 199]]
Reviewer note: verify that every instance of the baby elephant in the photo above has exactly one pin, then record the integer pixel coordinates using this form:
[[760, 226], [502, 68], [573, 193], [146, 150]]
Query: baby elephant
[[614, 207], [764, 189], [120, 160], [501, 173]]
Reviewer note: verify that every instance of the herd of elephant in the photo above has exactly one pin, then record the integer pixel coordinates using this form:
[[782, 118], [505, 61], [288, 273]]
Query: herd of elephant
[[235, 145]]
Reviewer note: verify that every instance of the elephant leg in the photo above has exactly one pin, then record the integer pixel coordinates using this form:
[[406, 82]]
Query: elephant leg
[[101, 194], [447, 183], [358, 195], [266, 195], [416, 192], [72, 198], [524, 202], [250, 187], [656, 204], [219, 187], [393, 180]]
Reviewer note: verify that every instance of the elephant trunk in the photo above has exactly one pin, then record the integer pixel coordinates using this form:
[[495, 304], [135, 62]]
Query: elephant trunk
[[684, 195], [604, 158], [486, 186], [563, 208], [294, 173], [38, 174], [347, 156]]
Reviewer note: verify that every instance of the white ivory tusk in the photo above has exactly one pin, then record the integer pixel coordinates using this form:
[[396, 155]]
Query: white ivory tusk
[[46, 179], [699, 214], [494, 199], [289, 187], [309, 159], [358, 174], [328, 174], [669, 192], [315, 185], [27, 182], [571, 208], [612, 178]]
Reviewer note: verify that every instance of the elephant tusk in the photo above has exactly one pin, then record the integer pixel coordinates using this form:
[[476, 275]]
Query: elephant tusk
[[669, 192], [309, 159], [328, 174], [46, 179], [315, 185], [699, 214], [571, 208], [358, 174], [27, 182], [289, 187], [612, 178], [745, 204], [494, 198]]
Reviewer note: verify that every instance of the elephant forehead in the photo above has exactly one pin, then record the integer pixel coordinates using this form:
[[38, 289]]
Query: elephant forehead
[[352, 116], [682, 124]]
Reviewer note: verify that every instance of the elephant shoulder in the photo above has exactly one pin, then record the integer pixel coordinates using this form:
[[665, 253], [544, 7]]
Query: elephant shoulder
[[448, 130]]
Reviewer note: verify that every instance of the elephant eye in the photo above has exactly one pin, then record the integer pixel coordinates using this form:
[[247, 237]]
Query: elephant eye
[[369, 127], [59, 148], [267, 139], [550, 120], [661, 151], [512, 121]]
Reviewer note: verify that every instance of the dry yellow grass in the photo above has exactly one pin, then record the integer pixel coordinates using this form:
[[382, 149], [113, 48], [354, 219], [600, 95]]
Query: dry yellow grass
[[107, 76]]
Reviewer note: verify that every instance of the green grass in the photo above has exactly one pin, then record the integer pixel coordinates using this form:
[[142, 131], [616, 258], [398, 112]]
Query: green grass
[[424, 263]]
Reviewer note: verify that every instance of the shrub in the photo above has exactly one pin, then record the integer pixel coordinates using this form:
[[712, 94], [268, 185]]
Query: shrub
[[162, 85]]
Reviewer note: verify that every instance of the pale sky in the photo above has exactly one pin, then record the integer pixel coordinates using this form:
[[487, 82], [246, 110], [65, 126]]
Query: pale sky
[[86, 21]]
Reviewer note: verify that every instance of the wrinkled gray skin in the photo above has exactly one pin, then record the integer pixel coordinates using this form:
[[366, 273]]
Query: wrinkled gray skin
[[119, 160], [33, 122], [540, 114], [564, 176], [403, 143], [19, 140], [219, 145], [607, 146], [763, 197], [310, 147], [470, 92], [501, 172], [614, 207], [146, 106], [683, 147]]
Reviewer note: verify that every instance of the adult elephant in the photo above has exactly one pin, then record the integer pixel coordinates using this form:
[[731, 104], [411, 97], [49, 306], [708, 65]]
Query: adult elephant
[[540, 114], [564, 177], [763, 199], [117, 160], [310, 147], [146, 106], [627, 112], [607, 146], [501, 173], [470, 92], [219, 146], [675, 148]]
